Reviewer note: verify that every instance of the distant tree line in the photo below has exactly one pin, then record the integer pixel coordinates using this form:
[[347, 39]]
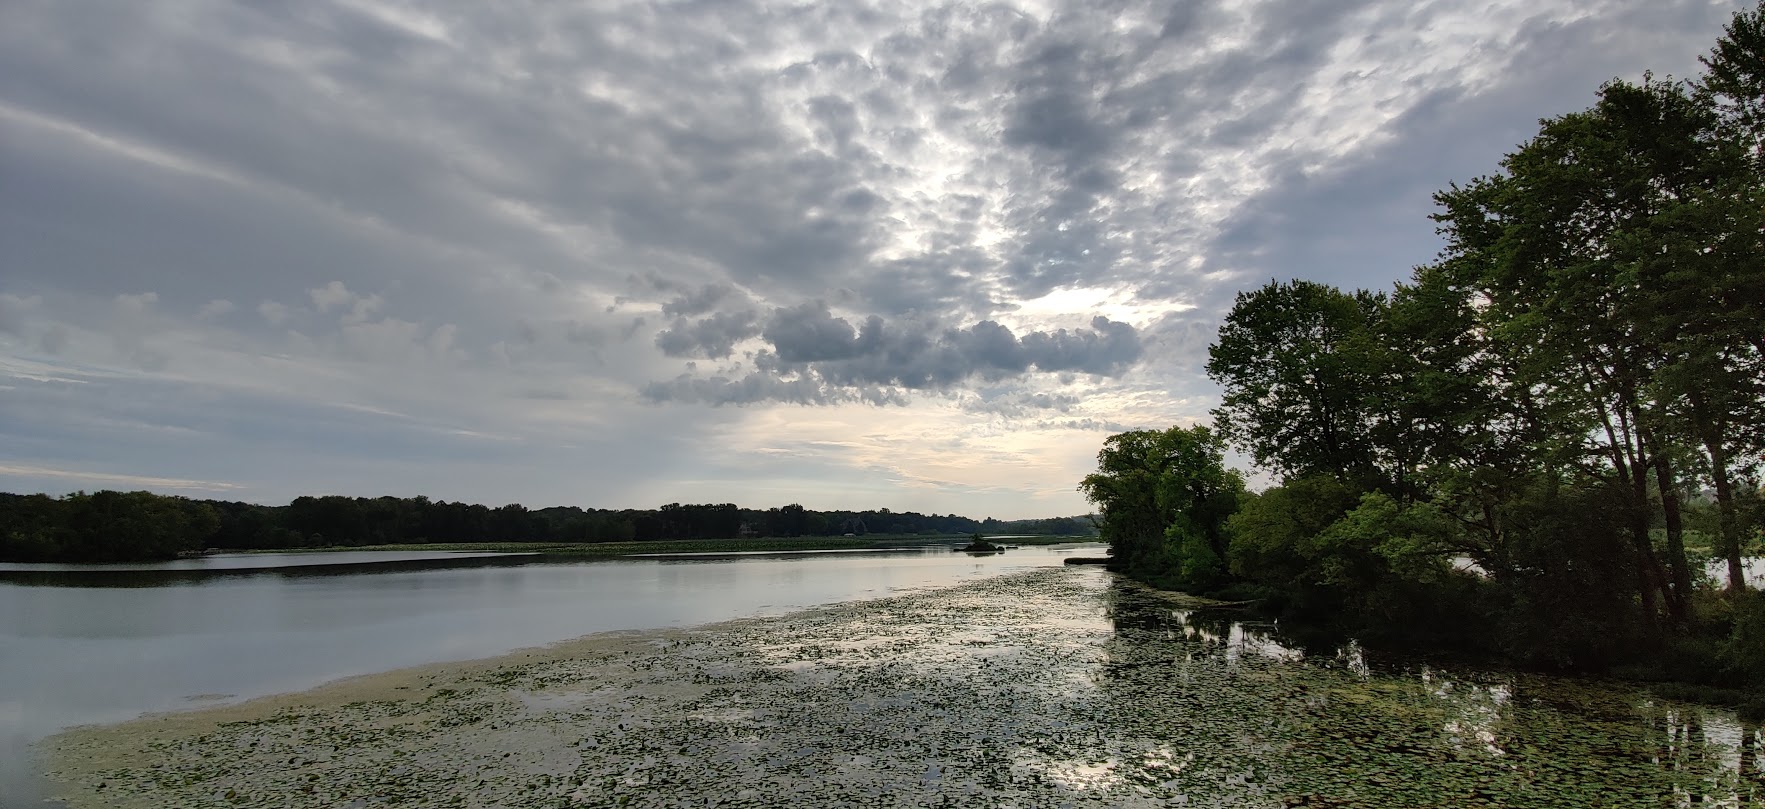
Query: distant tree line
[[110, 526], [1534, 446]]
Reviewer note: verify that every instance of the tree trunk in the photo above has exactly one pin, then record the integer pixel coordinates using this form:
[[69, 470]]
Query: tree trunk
[[1728, 543], [1623, 452], [1676, 561], [1748, 768]]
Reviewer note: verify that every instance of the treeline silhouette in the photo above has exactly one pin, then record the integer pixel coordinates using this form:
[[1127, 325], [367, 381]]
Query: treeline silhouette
[[111, 526]]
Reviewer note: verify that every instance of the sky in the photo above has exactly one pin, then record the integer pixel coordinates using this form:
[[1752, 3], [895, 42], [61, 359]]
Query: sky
[[854, 254]]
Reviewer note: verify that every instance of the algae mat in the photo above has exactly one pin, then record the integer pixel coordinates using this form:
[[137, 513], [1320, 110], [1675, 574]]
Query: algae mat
[[1060, 687]]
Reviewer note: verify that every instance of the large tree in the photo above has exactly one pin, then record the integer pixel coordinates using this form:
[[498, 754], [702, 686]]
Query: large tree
[[1605, 261], [1723, 373], [1305, 381], [1164, 497]]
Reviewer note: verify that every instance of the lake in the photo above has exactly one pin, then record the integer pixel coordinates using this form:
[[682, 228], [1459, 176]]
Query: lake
[[994, 679], [98, 644]]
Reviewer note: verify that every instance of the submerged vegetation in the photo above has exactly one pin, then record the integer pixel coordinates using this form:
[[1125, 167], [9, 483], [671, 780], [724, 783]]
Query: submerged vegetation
[[1056, 687], [1536, 445]]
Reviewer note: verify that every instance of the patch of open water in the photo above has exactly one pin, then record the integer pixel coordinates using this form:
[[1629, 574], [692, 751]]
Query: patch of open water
[[81, 645]]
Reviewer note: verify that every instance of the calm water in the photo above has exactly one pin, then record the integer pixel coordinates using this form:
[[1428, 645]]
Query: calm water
[[87, 646]]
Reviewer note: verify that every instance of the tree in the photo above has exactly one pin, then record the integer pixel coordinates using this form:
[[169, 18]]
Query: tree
[[1164, 497], [1724, 355], [1305, 380], [1602, 261], [1734, 75]]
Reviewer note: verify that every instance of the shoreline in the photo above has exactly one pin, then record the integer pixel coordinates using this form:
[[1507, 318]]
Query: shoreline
[[886, 542]]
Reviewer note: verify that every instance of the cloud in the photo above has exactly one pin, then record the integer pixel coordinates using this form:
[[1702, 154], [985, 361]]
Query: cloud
[[136, 304], [215, 308], [914, 356], [712, 337], [1020, 403], [760, 387], [358, 308], [987, 216], [819, 358], [810, 333], [275, 313], [15, 311], [331, 295], [699, 300], [114, 478]]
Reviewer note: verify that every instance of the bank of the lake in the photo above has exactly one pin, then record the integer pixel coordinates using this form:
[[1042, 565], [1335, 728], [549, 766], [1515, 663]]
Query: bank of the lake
[[1058, 686], [873, 542]]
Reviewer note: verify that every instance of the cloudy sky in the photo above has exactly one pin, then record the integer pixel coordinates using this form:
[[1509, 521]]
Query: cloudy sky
[[849, 254]]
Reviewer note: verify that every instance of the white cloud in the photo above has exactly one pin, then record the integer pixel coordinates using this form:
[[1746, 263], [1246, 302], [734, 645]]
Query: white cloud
[[215, 308], [113, 478], [275, 313]]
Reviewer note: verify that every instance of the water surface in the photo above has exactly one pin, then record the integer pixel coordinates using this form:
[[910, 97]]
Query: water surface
[[107, 643], [1049, 688]]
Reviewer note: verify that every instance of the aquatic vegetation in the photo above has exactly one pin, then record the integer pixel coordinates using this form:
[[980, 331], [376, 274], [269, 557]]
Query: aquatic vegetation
[[1056, 687]]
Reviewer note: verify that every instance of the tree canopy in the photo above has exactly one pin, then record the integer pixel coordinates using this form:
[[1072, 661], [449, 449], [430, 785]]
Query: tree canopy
[[1541, 433]]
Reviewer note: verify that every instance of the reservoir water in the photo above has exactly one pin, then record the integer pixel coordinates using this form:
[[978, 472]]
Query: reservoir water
[[1057, 686], [80, 645]]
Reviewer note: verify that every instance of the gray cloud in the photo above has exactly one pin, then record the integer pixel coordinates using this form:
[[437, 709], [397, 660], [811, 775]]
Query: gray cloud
[[523, 213], [711, 337], [818, 352], [761, 387], [810, 333], [1089, 425], [1018, 404], [698, 300]]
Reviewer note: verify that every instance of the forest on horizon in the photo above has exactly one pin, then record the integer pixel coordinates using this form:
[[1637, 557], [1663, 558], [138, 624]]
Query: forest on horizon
[[112, 526]]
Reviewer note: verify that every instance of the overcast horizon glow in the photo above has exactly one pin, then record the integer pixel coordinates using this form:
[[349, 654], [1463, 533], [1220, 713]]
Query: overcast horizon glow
[[850, 255]]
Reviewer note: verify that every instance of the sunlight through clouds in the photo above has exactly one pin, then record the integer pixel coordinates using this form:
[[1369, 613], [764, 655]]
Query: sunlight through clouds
[[922, 256]]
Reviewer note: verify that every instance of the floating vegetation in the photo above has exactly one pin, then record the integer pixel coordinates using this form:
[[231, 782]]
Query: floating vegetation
[[1055, 687]]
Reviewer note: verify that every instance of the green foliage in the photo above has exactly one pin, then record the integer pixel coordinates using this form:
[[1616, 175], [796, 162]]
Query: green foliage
[[1336, 555], [1502, 448], [104, 526], [1570, 596], [114, 526], [1302, 370], [1734, 73], [1270, 535], [1743, 654], [1164, 497]]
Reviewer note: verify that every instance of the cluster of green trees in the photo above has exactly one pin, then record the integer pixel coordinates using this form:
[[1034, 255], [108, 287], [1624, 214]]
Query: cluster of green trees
[[1532, 443], [112, 526]]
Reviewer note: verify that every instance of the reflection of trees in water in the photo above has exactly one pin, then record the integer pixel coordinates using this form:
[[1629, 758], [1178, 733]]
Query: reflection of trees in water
[[1185, 703], [1747, 766], [1715, 756], [1205, 704]]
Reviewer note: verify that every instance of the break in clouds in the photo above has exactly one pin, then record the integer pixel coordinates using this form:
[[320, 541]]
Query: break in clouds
[[445, 231]]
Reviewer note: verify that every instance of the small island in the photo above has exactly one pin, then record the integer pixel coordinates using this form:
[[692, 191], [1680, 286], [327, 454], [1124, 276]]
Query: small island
[[979, 544]]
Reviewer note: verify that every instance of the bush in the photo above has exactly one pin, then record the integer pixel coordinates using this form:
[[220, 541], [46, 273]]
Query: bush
[[1743, 654]]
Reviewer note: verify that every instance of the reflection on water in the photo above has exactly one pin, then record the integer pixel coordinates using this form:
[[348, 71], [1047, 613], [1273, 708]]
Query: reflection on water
[[1251, 709], [210, 569], [251, 561], [1057, 687], [1752, 566], [93, 646]]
